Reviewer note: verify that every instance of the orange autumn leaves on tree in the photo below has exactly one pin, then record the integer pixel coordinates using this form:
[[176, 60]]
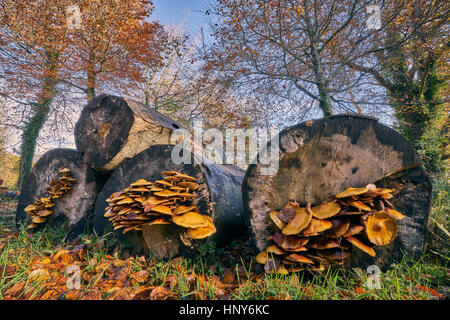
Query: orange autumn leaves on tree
[[32, 40], [114, 40], [49, 48], [99, 43]]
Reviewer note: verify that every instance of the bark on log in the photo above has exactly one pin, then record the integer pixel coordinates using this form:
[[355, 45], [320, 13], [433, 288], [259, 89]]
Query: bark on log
[[112, 129], [219, 196], [323, 157], [74, 208]]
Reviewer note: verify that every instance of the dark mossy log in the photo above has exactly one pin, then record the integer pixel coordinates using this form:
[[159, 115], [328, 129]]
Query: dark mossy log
[[111, 129], [219, 196], [73, 209], [323, 157]]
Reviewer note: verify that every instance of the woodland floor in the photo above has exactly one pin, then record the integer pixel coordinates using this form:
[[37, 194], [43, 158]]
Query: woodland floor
[[43, 266]]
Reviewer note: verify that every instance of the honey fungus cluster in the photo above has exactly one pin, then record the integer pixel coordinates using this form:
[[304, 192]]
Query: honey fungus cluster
[[310, 238], [164, 201]]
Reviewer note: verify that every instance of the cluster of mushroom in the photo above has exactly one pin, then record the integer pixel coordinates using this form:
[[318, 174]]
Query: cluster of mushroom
[[312, 237], [160, 202], [41, 209]]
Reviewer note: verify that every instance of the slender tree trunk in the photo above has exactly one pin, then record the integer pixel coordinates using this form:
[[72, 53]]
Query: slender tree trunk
[[92, 78], [29, 137], [34, 125], [91, 86], [322, 86]]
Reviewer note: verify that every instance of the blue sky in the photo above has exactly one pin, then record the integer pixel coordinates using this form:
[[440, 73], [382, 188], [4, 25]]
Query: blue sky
[[175, 11]]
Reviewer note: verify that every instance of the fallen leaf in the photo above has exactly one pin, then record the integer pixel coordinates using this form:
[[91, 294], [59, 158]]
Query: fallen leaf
[[122, 294], [139, 277], [92, 295], [160, 293], [359, 290], [72, 295], [15, 289], [143, 293], [228, 276], [39, 275]]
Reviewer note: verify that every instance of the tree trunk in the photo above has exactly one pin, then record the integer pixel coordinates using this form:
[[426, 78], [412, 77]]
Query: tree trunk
[[325, 157], [90, 90], [71, 211], [34, 126], [112, 129], [29, 138], [219, 196]]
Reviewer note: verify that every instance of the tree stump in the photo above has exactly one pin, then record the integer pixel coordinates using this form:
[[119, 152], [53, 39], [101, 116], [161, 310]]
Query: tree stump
[[219, 196], [74, 208], [111, 129], [323, 157]]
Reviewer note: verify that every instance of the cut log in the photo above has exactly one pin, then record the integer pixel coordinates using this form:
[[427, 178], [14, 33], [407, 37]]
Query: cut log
[[111, 129], [73, 209], [323, 157], [219, 196]]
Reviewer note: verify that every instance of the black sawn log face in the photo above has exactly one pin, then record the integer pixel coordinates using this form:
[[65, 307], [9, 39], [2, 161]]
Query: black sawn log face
[[73, 210], [218, 196], [111, 129], [323, 157]]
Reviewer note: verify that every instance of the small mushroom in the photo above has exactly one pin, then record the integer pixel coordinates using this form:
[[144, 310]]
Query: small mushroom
[[274, 217], [300, 221], [322, 243], [358, 204], [394, 214], [165, 193], [351, 192], [140, 183], [185, 177], [125, 201], [339, 227], [326, 210], [157, 221], [191, 220], [316, 226], [172, 179], [353, 229], [188, 184], [183, 209], [289, 243], [164, 183], [361, 246], [288, 212], [299, 258], [381, 229], [169, 173], [201, 232], [162, 209], [261, 257], [275, 250]]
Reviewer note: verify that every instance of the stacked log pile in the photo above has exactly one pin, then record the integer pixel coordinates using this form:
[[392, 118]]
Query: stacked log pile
[[123, 148], [123, 169]]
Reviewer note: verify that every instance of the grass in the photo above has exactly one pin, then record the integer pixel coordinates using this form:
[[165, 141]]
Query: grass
[[30, 263], [192, 278]]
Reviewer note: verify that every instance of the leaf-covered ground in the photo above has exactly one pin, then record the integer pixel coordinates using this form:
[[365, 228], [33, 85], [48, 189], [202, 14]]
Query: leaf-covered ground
[[43, 266]]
